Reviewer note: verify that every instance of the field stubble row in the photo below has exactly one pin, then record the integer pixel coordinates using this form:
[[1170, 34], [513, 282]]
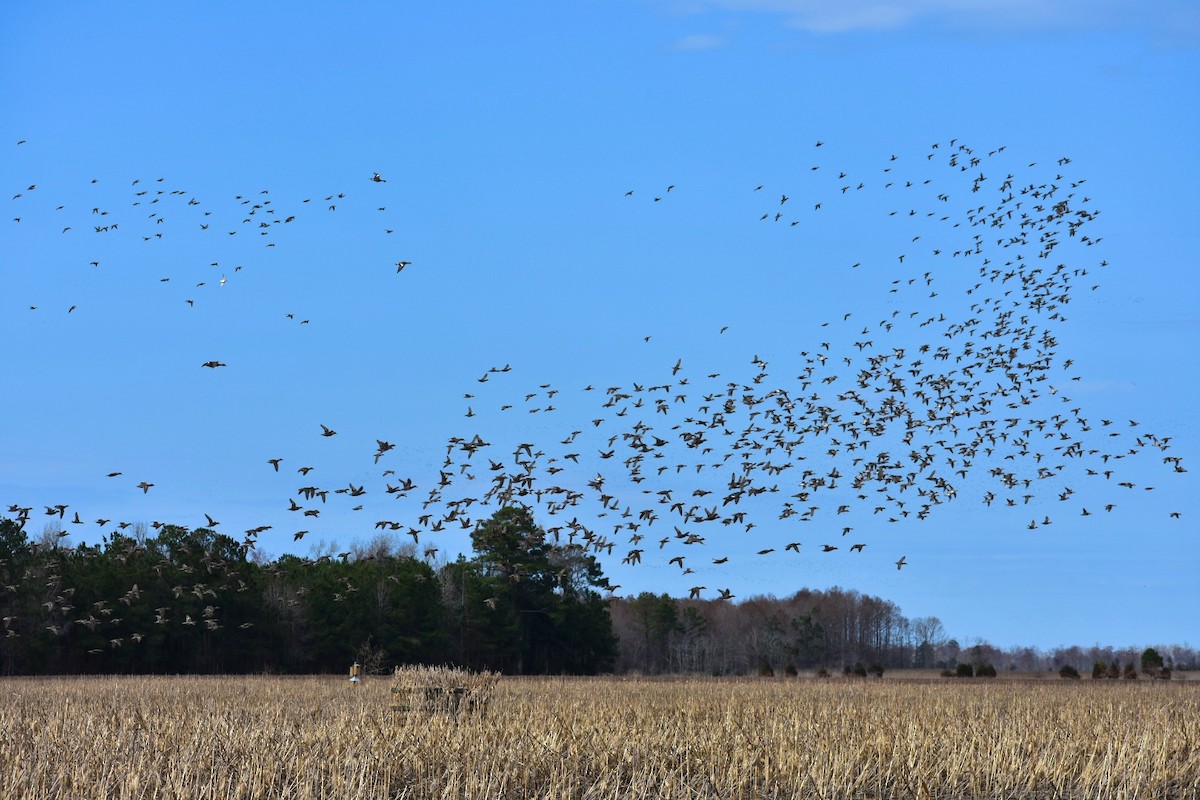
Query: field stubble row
[[251, 737]]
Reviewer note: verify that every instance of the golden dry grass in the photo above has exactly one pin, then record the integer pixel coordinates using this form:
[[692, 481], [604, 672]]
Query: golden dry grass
[[261, 737]]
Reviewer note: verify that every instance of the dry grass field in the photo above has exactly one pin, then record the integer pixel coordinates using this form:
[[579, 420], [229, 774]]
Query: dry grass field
[[264, 737]]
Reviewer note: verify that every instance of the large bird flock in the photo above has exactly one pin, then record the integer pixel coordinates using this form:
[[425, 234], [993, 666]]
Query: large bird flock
[[960, 393]]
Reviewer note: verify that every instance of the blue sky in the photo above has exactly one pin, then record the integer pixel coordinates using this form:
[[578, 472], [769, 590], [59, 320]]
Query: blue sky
[[509, 138]]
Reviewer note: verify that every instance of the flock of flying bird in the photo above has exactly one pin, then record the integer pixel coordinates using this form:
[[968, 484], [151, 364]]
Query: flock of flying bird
[[885, 421]]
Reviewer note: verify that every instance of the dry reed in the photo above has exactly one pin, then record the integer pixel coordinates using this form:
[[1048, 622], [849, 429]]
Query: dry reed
[[263, 737]]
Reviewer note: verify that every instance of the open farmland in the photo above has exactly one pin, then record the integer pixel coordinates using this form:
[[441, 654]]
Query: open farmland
[[235, 737]]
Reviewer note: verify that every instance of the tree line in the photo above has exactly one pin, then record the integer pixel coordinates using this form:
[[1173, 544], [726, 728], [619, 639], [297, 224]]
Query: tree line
[[196, 601], [178, 600], [838, 630]]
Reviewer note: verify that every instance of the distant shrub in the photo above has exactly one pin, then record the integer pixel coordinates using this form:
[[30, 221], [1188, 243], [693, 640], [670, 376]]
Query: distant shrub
[[1164, 674], [822, 673], [1098, 670], [947, 673], [1130, 673], [1114, 671], [985, 671], [964, 671], [766, 671], [876, 670], [790, 671], [1068, 672]]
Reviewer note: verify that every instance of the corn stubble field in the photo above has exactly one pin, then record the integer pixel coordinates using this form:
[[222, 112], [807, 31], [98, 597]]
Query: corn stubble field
[[244, 737]]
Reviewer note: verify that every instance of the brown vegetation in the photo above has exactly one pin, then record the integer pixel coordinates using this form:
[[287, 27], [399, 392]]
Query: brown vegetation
[[620, 738]]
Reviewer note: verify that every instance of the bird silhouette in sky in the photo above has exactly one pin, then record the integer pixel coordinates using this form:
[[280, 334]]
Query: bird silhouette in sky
[[955, 392]]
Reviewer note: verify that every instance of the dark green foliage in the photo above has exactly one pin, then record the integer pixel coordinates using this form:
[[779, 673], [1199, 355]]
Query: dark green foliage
[[525, 605], [12, 543], [809, 642], [985, 671], [1098, 670], [1152, 662], [1068, 672], [964, 671], [924, 655], [328, 609], [191, 601], [655, 617]]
